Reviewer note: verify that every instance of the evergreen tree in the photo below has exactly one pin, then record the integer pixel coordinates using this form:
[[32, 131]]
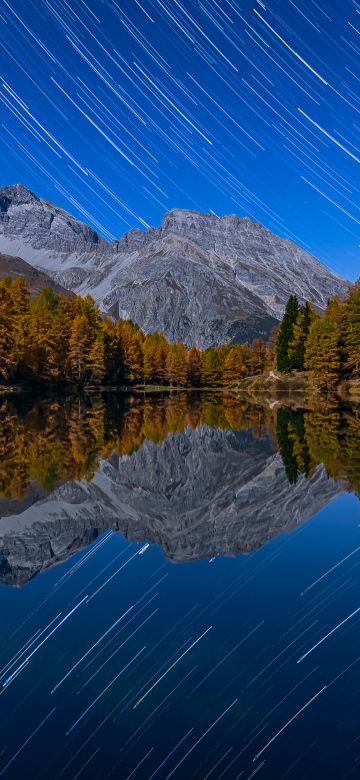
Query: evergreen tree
[[301, 327], [285, 334]]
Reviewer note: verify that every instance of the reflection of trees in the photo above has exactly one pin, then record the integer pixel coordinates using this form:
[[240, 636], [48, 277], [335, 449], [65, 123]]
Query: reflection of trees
[[322, 435], [57, 440], [53, 441]]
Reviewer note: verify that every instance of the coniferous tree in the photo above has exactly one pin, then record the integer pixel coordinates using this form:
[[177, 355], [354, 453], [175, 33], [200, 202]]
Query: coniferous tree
[[234, 365], [211, 374], [132, 348], [176, 365], [301, 327], [322, 352], [96, 361], [285, 334], [257, 356], [80, 343], [193, 367]]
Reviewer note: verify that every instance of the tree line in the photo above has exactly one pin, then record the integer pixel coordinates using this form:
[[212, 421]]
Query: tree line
[[53, 338], [327, 346], [52, 441]]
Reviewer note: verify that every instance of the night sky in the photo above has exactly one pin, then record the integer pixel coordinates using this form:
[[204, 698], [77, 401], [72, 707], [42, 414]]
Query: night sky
[[119, 110]]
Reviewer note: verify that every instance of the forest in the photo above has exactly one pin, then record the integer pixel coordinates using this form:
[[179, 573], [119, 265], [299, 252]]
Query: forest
[[56, 339], [51, 338], [326, 347]]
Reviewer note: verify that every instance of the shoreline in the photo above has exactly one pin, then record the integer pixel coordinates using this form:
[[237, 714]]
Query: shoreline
[[277, 387]]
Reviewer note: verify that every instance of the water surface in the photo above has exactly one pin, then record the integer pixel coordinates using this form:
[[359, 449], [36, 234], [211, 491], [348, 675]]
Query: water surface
[[180, 589]]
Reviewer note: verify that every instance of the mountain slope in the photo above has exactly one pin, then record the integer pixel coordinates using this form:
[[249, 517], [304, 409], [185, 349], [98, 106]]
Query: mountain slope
[[199, 278], [14, 266]]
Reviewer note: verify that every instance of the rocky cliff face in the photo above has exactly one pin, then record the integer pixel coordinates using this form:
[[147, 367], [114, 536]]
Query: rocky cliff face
[[199, 278], [198, 494]]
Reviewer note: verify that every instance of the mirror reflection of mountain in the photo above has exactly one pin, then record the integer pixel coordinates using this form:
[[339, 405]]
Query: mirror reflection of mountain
[[198, 474]]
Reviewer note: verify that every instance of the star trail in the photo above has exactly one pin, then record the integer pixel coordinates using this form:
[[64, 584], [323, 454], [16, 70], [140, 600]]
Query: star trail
[[119, 110]]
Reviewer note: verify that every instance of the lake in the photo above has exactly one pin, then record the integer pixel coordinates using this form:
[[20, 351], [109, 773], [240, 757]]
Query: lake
[[179, 588]]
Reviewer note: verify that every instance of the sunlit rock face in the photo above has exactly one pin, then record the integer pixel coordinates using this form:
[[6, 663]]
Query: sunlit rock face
[[198, 494], [199, 278]]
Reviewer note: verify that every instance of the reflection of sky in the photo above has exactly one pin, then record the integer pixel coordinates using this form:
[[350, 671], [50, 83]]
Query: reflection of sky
[[121, 111], [230, 694]]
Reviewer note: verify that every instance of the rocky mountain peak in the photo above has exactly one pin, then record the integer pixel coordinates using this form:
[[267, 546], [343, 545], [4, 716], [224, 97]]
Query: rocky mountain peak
[[15, 195], [200, 278]]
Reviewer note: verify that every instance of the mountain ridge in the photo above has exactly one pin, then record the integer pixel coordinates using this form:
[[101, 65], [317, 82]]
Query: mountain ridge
[[199, 278]]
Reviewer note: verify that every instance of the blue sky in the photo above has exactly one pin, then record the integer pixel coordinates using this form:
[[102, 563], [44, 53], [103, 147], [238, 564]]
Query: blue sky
[[119, 110]]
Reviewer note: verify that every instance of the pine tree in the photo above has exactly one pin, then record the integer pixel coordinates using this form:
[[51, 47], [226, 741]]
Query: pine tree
[[285, 334], [301, 327]]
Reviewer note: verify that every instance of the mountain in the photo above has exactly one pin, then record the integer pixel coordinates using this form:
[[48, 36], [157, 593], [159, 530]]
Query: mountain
[[200, 493], [199, 278], [14, 266]]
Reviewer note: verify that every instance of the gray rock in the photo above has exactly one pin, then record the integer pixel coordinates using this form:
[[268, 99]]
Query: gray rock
[[198, 278], [198, 494]]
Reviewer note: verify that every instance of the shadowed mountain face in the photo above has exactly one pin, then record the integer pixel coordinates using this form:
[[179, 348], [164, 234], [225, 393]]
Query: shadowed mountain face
[[13, 267], [198, 278], [199, 492]]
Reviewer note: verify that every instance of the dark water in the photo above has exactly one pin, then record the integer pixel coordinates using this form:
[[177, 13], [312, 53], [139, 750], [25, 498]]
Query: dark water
[[179, 589]]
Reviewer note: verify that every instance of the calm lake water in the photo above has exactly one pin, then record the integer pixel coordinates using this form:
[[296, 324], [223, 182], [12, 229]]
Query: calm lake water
[[179, 589]]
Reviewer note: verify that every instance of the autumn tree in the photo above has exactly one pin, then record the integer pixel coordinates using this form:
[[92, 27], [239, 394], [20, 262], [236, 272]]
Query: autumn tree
[[154, 358], [80, 344], [352, 330], [132, 349], [234, 365], [322, 352], [193, 367], [96, 365], [176, 373], [257, 356], [211, 367]]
